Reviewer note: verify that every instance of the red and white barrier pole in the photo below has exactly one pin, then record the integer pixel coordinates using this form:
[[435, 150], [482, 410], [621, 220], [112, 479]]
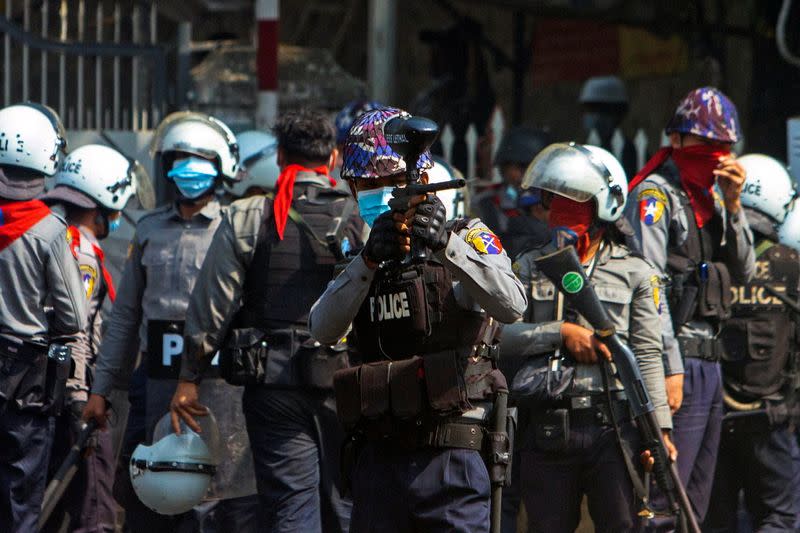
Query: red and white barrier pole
[[267, 16]]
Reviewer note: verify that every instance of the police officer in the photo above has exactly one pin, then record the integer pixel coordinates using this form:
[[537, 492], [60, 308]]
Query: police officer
[[570, 440], [37, 269], [270, 260], [697, 236], [604, 104], [425, 333], [759, 368], [93, 185], [195, 153], [499, 206]]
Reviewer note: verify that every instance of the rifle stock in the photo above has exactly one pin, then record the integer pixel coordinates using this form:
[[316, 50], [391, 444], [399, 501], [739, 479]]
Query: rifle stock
[[566, 272]]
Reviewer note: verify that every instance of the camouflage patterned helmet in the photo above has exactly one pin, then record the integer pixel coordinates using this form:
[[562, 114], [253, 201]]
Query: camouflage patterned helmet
[[367, 154], [707, 113], [349, 113]]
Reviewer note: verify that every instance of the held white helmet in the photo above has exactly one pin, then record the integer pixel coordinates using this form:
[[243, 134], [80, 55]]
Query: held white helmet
[[173, 474], [581, 172], [101, 173], [768, 187], [199, 134], [258, 162], [453, 199], [32, 137]]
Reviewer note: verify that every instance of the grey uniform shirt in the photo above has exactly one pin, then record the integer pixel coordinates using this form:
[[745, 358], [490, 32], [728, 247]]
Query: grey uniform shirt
[[630, 289], [84, 349], [667, 226], [38, 270], [482, 280], [163, 263], [217, 295]]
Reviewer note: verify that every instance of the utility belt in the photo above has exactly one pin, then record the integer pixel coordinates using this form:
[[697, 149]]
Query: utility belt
[[707, 349], [33, 378], [440, 383], [165, 349], [700, 292], [283, 358]]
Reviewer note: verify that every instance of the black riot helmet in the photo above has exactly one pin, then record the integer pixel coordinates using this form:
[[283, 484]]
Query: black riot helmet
[[520, 145]]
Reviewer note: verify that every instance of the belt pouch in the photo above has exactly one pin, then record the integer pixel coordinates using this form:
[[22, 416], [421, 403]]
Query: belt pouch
[[405, 387], [59, 364], [317, 363], [348, 395], [551, 430], [444, 380], [242, 360], [279, 368], [22, 376], [375, 389]]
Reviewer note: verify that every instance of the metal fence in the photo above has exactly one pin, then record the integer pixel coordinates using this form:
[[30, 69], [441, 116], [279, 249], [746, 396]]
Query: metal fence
[[109, 43]]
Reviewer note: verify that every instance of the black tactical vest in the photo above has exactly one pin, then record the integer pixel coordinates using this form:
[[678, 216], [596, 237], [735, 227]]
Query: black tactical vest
[[701, 288], [412, 311], [287, 276], [760, 336]]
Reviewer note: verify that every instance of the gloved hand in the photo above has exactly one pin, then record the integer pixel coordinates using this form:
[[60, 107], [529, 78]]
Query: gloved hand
[[385, 241], [428, 223]]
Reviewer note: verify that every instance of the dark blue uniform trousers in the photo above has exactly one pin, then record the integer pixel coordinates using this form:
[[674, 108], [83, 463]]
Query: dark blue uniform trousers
[[296, 441], [420, 491], [762, 465], [25, 441], [553, 482]]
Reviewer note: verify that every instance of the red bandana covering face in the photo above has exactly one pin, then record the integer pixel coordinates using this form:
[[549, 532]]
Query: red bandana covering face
[[285, 192], [570, 221], [74, 239], [18, 217], [696, 165]]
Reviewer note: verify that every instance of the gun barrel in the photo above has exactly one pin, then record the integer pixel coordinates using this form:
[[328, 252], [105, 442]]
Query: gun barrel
[[425, 188]]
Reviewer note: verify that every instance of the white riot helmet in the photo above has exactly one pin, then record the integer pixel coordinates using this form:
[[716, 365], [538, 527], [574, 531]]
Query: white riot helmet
[[32, 137], [258, 162], [453, 199], [173, 474], [768, 187], [789, 229], [198, 134], [581, 172], [104, 176]]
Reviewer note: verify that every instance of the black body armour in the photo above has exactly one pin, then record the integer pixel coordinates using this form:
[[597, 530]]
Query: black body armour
[[283, 281], [760, 336], [701, 288]]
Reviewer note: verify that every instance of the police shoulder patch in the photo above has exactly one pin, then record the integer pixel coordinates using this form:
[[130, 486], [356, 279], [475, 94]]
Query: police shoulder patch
[[655, 283], [484, 241], [651, 208], [89, 278]]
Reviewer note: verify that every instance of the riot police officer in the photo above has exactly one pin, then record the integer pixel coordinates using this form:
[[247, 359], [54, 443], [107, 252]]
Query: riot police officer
[[577, 438], [268, 262], [759, 367], [93, 185], [499, 205], [425, 333], [687, 220], [604, 104], [195, 153], [37, 269]]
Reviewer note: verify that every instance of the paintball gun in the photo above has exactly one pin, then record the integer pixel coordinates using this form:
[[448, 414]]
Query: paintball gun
[[411, 137], [61, 480], [565, 271]]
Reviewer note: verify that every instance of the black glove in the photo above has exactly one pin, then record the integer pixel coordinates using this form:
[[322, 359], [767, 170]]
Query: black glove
[[428, 223], [384, 240]]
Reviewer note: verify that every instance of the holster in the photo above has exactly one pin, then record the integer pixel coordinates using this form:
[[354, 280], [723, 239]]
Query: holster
[[499, 450], [32, 378], [243, 359]]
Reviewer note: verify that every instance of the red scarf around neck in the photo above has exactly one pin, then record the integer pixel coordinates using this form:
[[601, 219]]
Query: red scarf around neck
[[696, 166], [577, 217], [18, 217], [75, 243], [285, 192]]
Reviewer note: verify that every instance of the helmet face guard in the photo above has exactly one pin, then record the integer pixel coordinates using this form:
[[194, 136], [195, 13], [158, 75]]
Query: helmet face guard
[[567, 170]]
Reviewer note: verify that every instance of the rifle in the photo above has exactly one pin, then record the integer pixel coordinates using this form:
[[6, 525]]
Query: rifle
[[411, 137], [565, 271], [61, 480]]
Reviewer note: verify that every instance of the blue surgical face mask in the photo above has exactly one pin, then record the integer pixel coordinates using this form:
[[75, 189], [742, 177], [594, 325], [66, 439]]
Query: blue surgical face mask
[[193, 176], [113, 225], [373, 203]]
